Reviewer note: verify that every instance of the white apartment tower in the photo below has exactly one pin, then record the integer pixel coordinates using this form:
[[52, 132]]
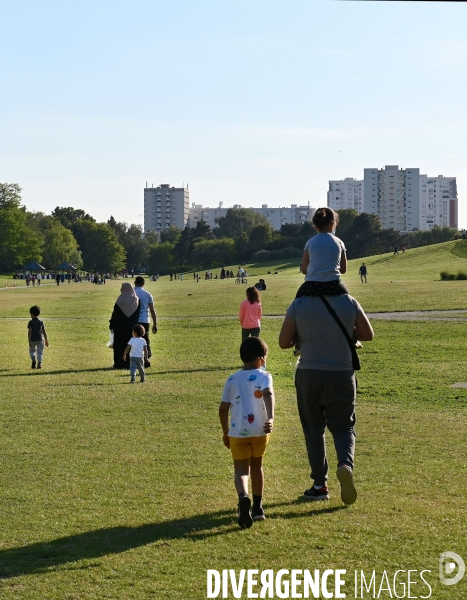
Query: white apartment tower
[[438, 200], [165, 206], [347, 193], [394, 195]]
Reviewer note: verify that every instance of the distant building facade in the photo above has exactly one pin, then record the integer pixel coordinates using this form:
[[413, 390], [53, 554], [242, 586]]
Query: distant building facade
[[403, 199], [165, 206], [347, 193], [438, 197], [394, 195], [276, 216]]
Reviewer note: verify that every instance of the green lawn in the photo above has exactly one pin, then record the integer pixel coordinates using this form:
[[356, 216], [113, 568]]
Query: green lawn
[[125, 492]]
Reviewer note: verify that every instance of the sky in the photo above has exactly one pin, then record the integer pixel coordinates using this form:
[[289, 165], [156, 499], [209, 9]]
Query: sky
[[245, 102]]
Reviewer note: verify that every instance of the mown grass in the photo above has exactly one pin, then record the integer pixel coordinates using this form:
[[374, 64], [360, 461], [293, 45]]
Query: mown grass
[[117, 491]]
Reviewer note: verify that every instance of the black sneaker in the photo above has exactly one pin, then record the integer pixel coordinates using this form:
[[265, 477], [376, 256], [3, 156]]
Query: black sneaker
[[245, 519], [132, 380], [33, 364], [314, 494], [258, 514], [39, 366], [348, 490]]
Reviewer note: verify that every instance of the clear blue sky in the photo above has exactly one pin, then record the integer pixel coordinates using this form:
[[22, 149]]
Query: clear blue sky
[[247, 102]]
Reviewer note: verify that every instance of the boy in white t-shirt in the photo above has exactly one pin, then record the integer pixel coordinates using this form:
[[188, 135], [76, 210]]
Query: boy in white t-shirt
[[249, 396], [138, 350]]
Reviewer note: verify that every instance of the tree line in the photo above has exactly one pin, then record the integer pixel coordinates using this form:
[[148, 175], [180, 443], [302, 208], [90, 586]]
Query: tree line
[[71, 235]]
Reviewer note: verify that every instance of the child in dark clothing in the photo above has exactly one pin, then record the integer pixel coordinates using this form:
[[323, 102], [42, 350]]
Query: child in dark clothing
[[37, 337]]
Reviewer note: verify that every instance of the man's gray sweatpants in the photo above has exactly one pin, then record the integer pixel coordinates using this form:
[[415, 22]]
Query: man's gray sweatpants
[[327, 399]]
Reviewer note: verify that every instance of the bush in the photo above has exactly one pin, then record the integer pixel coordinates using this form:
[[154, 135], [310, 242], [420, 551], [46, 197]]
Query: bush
[[445, 276], [462, 276]]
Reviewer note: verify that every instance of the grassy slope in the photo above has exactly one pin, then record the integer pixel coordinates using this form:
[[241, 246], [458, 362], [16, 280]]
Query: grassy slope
[[117, 491]]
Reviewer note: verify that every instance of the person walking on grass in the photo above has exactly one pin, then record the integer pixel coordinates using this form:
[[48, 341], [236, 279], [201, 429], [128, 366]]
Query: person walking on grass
[[146, 302], [325, 383], [138, 350], [363, 272], [250, 313], [249, 397], [37, 337]]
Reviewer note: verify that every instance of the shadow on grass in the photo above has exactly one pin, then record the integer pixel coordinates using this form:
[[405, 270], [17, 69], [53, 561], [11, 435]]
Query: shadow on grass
[[36, 373], [121, 372], [43, 556]]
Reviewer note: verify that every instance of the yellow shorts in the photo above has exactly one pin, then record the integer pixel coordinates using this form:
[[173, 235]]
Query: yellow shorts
[[248, 447]]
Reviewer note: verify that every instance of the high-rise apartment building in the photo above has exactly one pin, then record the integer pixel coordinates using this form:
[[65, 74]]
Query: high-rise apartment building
[[165, 206], [394, 195], [438, 196], [347, 193]]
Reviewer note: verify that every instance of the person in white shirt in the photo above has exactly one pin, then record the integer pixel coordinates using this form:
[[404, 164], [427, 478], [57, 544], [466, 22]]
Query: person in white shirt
[[249, 398], [138, 353], [146, 302]]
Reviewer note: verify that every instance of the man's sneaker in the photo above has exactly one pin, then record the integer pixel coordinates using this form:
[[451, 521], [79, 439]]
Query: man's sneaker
[[348, 491], [258, 514], [39, 366], [143, 380], [245, 519], [314, 494], [132, 380], [33, 364]]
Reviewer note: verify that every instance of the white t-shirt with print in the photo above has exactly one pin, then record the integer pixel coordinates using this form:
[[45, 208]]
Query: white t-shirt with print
[[137, 347], [247, 412]]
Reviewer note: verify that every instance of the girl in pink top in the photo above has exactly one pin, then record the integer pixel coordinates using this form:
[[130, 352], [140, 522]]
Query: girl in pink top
[[250, 313]]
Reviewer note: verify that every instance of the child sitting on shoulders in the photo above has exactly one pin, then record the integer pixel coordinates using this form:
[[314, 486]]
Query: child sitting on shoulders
[[249, 396], [324, 258]]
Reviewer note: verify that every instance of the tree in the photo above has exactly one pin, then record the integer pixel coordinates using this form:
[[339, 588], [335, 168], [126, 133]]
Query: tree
[[58, 241], [202, 231], [137, 247], [238, 221], [347, 217], [10, 195], [18, 243], [69, 216], [260, 236], [171, 234], [213, 253], [161, 258], [120, 229], [101, 250], [152, 237]]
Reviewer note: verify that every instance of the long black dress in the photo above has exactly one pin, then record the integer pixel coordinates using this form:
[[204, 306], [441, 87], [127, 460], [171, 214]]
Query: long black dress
[[122, 326]]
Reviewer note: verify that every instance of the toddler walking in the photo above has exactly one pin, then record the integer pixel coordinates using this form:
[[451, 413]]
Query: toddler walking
[[138, 350]]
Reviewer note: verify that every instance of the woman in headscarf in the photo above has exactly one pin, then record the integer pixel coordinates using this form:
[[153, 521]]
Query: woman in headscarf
[[124, 316]]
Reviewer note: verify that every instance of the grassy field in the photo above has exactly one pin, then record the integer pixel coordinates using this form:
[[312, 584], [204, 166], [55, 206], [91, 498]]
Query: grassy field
[[125, 492]]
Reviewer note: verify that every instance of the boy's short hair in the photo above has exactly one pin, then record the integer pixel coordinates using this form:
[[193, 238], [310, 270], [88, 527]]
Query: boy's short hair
[[139, 281], [139, 330], [253, 348], [35, 310]]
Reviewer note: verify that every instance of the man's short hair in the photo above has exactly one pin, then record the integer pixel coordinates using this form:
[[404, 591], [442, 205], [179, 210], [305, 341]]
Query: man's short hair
[[253, 348], [139, 281], [35, 310]]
